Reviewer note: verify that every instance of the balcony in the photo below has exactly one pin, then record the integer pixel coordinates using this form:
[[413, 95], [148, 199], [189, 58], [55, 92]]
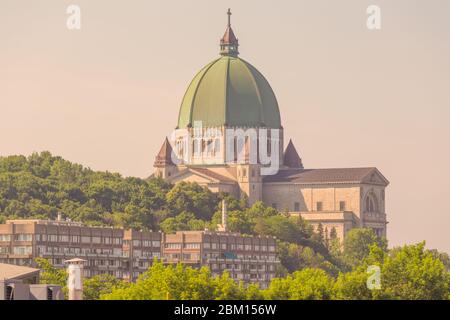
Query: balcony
[[374, 217], [331, 216]]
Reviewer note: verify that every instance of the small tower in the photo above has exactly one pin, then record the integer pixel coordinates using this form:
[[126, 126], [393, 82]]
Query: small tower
[[229, 43], [164, 166], [249, 173], [75, 280]]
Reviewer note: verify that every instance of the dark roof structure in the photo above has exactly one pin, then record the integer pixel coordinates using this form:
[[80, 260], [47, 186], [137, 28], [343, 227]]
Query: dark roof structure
[[164, 156], [335, 175], [291, 158]]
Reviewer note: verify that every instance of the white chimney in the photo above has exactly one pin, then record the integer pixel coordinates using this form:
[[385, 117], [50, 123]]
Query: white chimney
[[75, 280], [223, 227]]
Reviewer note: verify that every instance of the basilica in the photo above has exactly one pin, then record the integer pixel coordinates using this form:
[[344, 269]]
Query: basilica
[[229, 133]]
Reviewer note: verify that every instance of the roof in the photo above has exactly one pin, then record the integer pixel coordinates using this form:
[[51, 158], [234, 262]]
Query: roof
[[11, 271], [229, 37], [164, 155], [291, 158], [334, 175], [211, 174], [229, 91], [75, 260]]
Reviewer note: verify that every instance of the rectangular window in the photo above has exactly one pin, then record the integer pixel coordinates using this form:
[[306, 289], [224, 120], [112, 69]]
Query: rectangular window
[[296, 206], [85, 239], [96, 240], [23, 237], [75, 239], [22, 250], [156, 244], [5, 237], [173, 245], [136, 243], [53, 238], [319, 206], [64, 238], [4, 250], [341, 205], [192, 245]]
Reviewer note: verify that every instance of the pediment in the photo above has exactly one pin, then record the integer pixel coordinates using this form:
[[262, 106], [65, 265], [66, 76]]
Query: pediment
[[375, 177]]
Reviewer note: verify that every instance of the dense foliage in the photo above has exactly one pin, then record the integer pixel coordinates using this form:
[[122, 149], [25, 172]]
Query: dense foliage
[[314, 266], [42, 185], [410, 272]]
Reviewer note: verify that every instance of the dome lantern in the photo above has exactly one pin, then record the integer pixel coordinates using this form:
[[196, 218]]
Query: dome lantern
[[229, 92], [229, 43]]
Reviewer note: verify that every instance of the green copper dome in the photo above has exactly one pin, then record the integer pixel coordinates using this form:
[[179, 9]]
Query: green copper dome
[[229, 91]]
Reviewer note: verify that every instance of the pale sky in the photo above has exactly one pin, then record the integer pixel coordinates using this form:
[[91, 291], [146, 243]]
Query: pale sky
[[105, 96]]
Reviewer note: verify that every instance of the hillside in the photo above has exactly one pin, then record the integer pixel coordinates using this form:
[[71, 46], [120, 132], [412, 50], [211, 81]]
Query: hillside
[[42, 185]]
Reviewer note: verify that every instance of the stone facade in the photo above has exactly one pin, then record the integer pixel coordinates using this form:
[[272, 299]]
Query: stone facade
[[229, 125], [342, 198]]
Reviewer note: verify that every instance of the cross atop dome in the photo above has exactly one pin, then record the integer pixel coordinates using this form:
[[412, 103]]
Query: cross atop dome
[[229, 43]]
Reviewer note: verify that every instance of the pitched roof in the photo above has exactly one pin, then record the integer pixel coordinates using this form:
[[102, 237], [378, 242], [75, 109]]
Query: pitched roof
[[229, 37], [334, 175], [164, 156], [211, 174], [291, 158], [11, 271]]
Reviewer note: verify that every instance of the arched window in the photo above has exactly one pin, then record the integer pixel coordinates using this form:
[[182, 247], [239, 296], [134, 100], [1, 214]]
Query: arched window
[[371, 203]]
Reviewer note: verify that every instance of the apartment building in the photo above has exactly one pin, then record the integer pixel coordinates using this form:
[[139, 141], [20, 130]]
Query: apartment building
[[126, 254], [140, 248], [106, 250], [247, 258]]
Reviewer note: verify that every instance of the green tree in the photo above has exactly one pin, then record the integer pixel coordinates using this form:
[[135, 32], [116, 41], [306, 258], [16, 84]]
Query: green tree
[[50, 275], [352, 285], [182, 282], [357, 243], [193, 198], [101, 284], [413, 273], [307, 284]]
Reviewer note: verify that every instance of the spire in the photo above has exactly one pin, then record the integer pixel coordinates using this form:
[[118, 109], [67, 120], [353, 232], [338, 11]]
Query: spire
[[291, 158], [164, 156], [229, 43]]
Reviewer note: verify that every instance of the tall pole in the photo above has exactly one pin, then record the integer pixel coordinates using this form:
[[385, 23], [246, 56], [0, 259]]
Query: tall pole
[[224, 215]]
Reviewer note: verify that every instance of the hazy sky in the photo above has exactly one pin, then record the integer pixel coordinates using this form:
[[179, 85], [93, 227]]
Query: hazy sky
[[105, 96]]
